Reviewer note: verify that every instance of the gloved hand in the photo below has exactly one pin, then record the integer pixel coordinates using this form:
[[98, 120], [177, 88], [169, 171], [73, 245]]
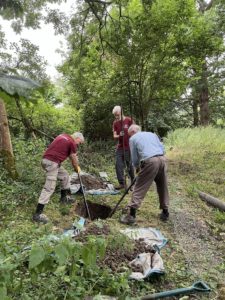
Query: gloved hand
[[121, 133], [77, 169]]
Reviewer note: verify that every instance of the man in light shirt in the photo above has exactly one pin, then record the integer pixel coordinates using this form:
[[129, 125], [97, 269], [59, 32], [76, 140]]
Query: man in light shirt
[[147, 154]]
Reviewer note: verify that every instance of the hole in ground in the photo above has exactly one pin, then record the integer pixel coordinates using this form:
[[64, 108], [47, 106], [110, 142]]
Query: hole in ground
[[97, 211]]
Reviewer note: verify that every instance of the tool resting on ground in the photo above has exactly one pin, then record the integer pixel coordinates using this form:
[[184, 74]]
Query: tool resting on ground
[[197, 287]]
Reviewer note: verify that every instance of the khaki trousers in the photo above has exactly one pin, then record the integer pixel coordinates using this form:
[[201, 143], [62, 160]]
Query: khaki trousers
[[53, 172], [153, 169]]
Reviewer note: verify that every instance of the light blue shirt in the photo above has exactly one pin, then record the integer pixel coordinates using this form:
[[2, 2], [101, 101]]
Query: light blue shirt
[[144, 145]]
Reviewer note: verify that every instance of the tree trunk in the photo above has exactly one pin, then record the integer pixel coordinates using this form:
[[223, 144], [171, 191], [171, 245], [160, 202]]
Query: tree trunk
[[203, 6], [204, 97], [6, 150], [195, 112]]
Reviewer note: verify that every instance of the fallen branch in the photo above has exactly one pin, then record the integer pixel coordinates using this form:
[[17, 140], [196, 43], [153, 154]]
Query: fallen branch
[[212, 200]]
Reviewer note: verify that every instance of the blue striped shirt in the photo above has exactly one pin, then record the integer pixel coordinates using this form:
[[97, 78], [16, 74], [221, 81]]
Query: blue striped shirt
[[144, 145]]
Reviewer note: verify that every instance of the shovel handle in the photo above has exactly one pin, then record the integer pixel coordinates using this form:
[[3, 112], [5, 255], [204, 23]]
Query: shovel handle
[[198, 286], [118, 203], [168, 293]]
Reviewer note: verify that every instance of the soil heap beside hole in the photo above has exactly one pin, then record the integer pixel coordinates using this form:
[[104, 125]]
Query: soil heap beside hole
[[115, 258], [89, 182]]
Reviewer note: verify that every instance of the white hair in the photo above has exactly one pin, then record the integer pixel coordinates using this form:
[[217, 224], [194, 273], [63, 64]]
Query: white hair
[[79, 135], [134, 128], [116, 109]]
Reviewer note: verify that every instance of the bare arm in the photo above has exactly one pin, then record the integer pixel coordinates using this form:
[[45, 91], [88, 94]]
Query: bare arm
[[115, 135], [74, 161]]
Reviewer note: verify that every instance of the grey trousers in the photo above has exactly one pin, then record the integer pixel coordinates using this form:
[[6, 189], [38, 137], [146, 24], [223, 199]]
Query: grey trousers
[[120, 165], [153, 169], [53, 171]]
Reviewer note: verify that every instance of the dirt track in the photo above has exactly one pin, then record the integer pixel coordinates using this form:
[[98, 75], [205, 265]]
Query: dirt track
[[202, 245]]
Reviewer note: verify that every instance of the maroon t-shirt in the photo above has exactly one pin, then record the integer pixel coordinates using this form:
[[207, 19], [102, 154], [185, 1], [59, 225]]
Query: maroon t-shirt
[[61, 148], [117, 126]]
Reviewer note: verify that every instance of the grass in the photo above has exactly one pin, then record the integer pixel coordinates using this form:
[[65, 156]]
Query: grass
[[196, 140]]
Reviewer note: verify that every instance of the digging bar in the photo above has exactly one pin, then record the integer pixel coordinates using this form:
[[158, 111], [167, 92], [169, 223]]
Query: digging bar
[[85, 202], [197, 287], [121, 199]]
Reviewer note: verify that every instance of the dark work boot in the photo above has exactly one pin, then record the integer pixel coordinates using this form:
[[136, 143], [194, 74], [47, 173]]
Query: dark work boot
[[66, 197], [129, 218], [164, 216], [39, 217], [133, 212]]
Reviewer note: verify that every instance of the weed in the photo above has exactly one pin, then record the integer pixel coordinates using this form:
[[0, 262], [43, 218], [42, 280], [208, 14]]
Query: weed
[[219, 217]]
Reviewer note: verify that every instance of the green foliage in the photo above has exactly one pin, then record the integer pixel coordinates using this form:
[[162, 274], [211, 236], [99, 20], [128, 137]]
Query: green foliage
[[149, 57], [101, 160], [37, 256], [120, 241], [65, 262], [47, 120], [13, 85], [98, 118], [29, 253], [29, 14]]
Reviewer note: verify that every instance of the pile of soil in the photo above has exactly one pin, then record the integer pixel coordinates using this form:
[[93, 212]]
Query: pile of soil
[[89, 182], [93, 229], [115, 258]]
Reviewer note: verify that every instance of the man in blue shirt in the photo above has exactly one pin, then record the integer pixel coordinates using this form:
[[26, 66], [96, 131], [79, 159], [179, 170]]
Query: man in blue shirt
[[147, 154]]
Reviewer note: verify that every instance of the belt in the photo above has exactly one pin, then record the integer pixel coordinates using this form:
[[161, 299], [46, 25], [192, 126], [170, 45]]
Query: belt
[[145, 160]]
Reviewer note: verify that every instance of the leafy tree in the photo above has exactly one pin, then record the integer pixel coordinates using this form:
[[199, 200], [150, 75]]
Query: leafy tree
[[147, 56], [132, 53], [30, 14]]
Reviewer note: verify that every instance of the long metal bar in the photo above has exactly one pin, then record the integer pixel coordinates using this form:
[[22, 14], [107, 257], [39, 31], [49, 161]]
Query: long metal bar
[[85, 202], [124, 152], [121, 199]]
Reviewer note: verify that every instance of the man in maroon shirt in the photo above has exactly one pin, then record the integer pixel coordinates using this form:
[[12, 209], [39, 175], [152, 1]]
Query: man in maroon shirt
[[120, 133], [60, 149]]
